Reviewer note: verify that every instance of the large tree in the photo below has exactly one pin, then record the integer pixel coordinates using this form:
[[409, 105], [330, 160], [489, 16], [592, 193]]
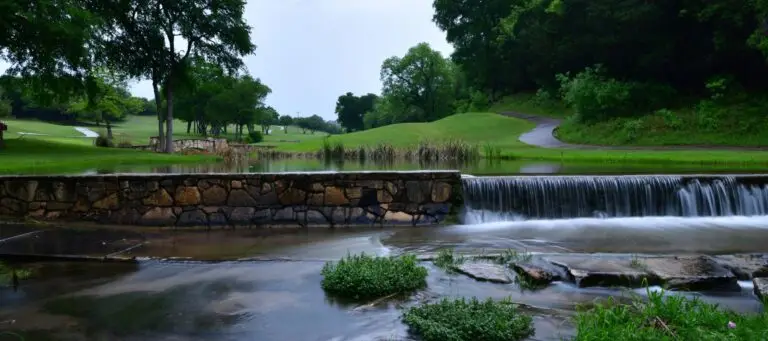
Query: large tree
[[351, 109], [421, 84], [157, 39]]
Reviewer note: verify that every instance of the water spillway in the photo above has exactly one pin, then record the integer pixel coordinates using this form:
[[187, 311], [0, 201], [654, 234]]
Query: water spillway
[[558, 197]]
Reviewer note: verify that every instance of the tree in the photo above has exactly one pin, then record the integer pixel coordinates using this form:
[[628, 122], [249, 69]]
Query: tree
[[268, 117], [351, 109], [144, 38], [285, 121], [240, 103], [421, 84], [109, 102]]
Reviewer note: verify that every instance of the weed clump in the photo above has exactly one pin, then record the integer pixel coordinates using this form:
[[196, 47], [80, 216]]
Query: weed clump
[[364, 277], [468, 320], [668, 318]]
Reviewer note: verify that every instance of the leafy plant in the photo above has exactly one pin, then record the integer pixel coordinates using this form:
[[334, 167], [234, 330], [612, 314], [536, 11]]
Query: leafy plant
[[667, 318], [514, 256], [594, 96], [363, 277], [104, 141], [255, 137], [446, 259], [468, 320]]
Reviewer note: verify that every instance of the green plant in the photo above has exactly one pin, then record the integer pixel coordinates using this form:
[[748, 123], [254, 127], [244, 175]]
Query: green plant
[[103, 141], [670, 118], [254, 136], [468, 320], [594, 96], [514, 256], [632, 129], [362, 277], [637, 263], [665, 317], [446, 259]]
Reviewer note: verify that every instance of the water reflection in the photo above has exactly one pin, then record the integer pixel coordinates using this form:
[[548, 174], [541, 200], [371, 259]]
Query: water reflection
[[482, 167]]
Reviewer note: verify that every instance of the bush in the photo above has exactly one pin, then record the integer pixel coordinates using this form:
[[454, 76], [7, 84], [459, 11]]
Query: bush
[[103, 141], [363, 277], [468, 320], [594, 96], [254, 137], [668, 318]]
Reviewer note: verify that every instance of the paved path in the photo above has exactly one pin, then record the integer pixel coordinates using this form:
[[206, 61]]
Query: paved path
[[542, 136], [87, 132]]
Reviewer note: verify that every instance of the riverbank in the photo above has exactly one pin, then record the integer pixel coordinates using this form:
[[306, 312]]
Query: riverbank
[[31, 155]]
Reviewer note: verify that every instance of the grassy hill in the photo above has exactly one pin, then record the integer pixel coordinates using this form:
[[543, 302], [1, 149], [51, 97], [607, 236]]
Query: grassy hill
[[503, 132], [476, 128]]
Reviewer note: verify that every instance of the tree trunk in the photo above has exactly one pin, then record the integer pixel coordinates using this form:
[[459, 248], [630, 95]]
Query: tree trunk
[[160, 127], [189, 127], [109, 130], [169, 118]]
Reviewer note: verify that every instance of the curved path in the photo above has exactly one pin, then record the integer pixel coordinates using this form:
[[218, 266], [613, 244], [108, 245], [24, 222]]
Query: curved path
[[543, 136]]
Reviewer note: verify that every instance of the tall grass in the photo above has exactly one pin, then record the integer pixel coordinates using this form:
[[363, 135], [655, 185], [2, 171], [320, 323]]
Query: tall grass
[[451, 150]]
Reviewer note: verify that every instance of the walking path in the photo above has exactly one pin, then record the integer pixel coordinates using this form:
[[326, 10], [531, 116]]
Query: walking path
[[543, 136], [87, 132]]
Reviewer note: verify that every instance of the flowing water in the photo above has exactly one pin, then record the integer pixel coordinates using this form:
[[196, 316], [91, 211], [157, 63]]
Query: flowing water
[[236, 294]]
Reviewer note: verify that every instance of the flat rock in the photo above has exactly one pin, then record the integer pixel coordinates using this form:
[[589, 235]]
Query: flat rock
[[761, 287], [599, 271], [485, 272], [745, 266], [694, 273], [535, 273]]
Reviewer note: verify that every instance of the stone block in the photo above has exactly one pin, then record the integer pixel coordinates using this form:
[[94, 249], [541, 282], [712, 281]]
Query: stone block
[[694, 273], [159, 216], [761, 287], [487, 272], [745, 266], [186, 196], [215, 195], [240, 198], [441, 192], [592, 271], [335, 196], [192, 218], [293, 196], [111, 202], [160, 197]]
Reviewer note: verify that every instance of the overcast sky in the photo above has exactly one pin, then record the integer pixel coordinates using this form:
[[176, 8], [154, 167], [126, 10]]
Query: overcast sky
[[311, 51]]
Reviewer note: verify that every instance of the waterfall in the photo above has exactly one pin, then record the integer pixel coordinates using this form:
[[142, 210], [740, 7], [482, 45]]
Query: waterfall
[[557, 197]]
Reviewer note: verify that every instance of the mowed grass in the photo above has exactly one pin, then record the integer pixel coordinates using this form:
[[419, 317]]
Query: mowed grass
[[61, 155], [475, 128], [503, 132], [138, 129]]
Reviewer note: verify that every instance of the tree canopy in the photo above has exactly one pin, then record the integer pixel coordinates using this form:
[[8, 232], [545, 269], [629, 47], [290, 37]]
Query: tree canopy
[[351, 109]]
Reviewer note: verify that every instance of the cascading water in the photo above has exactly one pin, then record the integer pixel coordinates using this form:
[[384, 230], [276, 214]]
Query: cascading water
[[556, 197]]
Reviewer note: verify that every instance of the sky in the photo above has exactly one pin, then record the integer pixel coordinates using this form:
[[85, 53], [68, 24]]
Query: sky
[[309, 52]]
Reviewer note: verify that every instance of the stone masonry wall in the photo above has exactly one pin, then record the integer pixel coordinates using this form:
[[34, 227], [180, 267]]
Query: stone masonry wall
[[292, 199]]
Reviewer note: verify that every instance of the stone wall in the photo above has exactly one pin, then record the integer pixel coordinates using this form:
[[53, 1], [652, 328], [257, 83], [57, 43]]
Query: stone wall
[[291, 199], [211, 145]]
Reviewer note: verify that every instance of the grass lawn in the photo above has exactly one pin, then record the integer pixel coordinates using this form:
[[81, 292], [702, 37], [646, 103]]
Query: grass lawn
[[503, 132], [64, 155]]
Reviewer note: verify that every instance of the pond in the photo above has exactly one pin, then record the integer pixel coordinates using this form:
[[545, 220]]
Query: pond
[[482, 167]]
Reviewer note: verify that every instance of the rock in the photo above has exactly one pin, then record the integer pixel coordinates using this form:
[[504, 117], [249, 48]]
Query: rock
[[187, 196], [241, 215], [162, 216], [111, 202], [192, 218], [158, 198], [240, 198], [383, 196], [293, 196], [413, 190], [746, 266], [534, 273], [593, 271], [694, 273], [441, 192], [236, 184], [354, 192], [761, 287], [215, 196], [334, 196], [485, 272]]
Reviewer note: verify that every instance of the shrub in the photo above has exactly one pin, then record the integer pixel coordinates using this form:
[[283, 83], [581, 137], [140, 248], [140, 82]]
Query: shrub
[[671, 120], [468, 320], [594, 96], [363, 277], [254, 137], [103, 141], [667, 318]]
